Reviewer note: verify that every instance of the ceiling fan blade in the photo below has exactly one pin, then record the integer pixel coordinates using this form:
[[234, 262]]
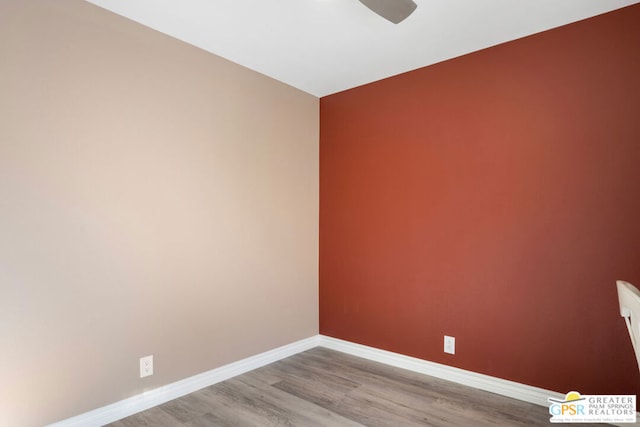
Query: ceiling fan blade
[[392, 10]]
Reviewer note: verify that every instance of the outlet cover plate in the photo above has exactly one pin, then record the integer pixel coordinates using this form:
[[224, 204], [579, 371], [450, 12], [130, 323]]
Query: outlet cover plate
[[146, 366], [449, 344]]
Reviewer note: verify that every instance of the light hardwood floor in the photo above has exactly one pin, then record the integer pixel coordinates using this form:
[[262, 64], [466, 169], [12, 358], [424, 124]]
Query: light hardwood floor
[[322, 387]]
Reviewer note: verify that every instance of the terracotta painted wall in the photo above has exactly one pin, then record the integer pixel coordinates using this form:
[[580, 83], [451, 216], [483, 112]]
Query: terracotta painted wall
[[154, 199], [496, 198]]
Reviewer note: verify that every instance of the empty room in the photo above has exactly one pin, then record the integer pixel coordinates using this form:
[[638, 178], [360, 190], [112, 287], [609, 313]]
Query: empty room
[[319, 212]]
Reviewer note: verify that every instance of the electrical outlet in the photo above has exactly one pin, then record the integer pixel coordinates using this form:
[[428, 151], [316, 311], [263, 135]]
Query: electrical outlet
[[449, 344], [146, 366]]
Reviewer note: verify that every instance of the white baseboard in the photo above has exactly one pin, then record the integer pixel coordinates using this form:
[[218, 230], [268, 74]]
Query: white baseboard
[[499, 386], [135, 404], [124, 408]]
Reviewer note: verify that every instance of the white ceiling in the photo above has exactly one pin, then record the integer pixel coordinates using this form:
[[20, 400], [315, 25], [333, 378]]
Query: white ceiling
[[326, 46]]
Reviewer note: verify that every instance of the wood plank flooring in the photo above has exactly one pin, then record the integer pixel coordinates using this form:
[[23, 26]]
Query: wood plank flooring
[[322, 387]]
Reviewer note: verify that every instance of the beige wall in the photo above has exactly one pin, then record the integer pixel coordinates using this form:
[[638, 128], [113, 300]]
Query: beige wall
[[154, 199]]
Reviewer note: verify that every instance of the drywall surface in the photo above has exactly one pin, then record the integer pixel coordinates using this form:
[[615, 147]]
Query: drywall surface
[[494, 198], [154, 199]]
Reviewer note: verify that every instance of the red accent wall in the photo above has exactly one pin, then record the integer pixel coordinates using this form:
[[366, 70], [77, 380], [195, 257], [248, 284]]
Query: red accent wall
[[494, 197]]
